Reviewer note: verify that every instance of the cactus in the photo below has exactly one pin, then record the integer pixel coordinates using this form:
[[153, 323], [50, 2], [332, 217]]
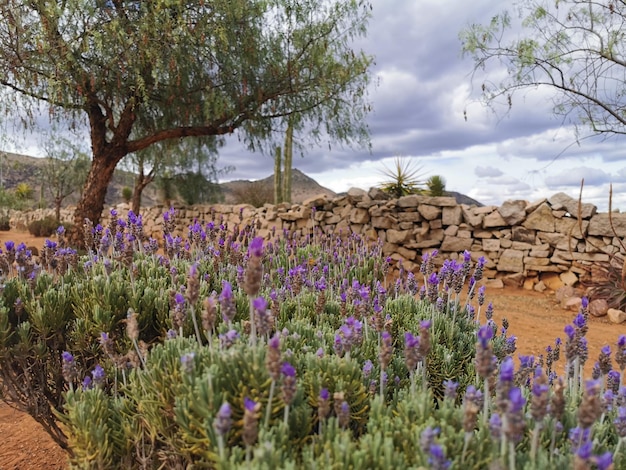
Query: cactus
[[278, 177]]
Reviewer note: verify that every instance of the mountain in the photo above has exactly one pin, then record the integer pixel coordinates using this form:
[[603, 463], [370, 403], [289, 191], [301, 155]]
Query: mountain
[[302, 188], [16, 169]]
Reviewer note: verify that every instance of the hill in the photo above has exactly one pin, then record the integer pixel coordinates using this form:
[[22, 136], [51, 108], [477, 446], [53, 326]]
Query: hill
[[16, 169], [302, 188]]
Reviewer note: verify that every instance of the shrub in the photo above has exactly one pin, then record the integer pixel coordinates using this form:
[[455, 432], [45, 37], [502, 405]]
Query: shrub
[[43, 227], [127, 194], [5, 223], [316, 362], [255, 193]]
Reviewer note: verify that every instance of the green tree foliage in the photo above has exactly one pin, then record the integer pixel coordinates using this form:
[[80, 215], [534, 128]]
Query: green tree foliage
[[65, 170], [138, 73], [574, 47], [178, 160]]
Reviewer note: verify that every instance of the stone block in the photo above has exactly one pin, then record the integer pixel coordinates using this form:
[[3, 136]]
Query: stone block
[[511, 261], [494, 219], [452, 215], [522, 234], [456, 244], [513, 212], [540, 219], [429, 212]]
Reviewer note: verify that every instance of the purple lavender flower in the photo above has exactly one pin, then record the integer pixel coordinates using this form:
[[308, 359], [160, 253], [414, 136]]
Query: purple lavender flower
[[256, 247], [249, 404], [98, 374], [288, 370], [437, 459], [87, 383], [569, 331], [187, 362], [604, 461], [485, 333], [579, 321], [324, 394], [507, 369], [223, 420], [450, 389], [367, 368]]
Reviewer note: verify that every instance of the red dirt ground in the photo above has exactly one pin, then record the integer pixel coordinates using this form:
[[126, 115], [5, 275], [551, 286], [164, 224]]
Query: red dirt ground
[[535, 318]]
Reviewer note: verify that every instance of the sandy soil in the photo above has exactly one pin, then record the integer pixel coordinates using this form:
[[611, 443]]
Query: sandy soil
[[535, 318]]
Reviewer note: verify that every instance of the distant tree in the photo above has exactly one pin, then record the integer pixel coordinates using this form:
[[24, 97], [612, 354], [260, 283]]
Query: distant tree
[[140, 73], [174, 159], [127, 194], [576, 48], [65, 170]]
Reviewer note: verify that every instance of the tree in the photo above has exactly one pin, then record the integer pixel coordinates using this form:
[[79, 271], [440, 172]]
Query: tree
[[138, 73], [64, 172], [174, 158], [574, 47]]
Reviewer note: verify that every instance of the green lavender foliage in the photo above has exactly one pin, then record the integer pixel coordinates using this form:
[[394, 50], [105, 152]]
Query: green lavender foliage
[[159, 410]]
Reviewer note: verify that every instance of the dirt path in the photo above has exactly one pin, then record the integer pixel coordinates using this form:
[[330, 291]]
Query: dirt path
[[535, 318]]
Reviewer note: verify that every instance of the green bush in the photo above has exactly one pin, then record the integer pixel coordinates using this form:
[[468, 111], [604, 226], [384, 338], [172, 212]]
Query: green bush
[[133, 361], [43, 227]]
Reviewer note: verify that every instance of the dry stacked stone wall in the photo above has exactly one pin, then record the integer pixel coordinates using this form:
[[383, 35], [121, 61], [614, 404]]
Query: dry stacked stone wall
[[554, 241]]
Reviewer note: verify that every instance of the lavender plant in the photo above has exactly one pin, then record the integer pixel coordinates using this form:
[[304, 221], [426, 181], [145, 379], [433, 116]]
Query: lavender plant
[[240, 352]]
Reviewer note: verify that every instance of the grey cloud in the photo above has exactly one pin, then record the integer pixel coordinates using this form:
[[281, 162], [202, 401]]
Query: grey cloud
[[487, 171], [574, 176]]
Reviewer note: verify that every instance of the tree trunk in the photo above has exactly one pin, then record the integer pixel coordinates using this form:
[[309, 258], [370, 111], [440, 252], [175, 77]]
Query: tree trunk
[[288, 163], [91, 203], [278, 180], [140, 184], [57, 209]]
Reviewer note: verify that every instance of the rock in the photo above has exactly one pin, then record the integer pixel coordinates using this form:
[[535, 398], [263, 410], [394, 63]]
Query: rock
[[408, 201], [513, 212], [563, 201], [540, 219], [452, 215], [316, 201], [540, 287], [429, 212], [598, 307], [494, 284], [529, 283], [513, 280], [377, 194], [398, 236], [573, 304], [616, 316], [359, 216], [357, 194], [554, 282], [511, 261], [522, 234], [600, 225], [564, 293], [456, 244], [569, 278], [494, 220]]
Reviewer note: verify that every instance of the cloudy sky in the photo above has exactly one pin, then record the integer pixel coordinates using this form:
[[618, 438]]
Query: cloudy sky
[[423, 88]]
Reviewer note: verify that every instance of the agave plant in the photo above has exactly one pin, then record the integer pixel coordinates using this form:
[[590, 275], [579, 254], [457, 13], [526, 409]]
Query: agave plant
[[609, 282], [404, 178], [436, 185]]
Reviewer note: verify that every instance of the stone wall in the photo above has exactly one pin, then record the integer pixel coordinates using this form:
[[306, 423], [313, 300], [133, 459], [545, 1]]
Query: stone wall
[[543, 242]]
